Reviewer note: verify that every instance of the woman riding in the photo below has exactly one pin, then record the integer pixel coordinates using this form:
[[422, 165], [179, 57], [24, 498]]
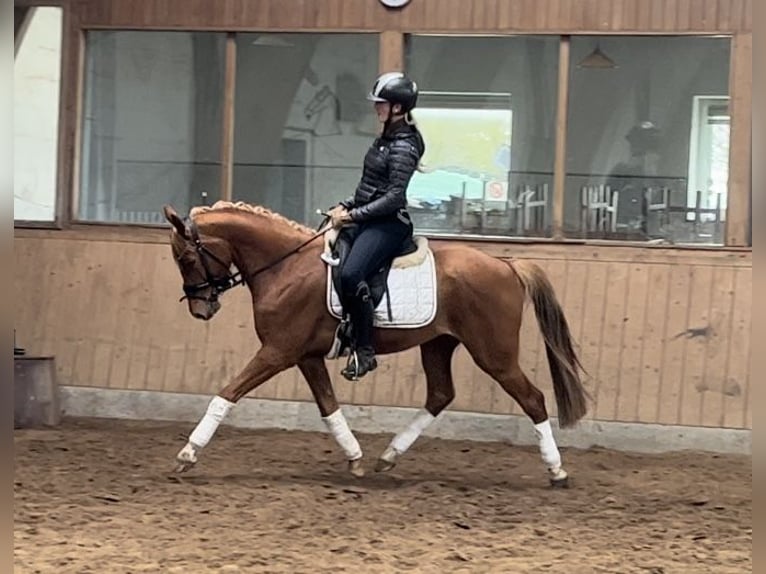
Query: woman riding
[[378, 208]]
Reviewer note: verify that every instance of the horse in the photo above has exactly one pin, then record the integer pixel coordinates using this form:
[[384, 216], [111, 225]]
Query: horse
[[480, 305]]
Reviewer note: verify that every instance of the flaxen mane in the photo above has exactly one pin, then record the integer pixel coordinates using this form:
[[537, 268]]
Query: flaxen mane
[[247, 208]]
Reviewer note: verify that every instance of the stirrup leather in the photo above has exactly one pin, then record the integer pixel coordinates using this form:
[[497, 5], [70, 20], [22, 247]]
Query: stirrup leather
[[341, 344]]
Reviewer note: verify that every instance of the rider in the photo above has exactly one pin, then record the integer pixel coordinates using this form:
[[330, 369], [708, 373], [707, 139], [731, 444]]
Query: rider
[[379, 208]]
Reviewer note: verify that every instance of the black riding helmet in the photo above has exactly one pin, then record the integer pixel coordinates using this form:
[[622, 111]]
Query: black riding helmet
[[395, 88]]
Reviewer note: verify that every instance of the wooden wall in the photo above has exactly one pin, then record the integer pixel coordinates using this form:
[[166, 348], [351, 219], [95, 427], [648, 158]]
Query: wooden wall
[[665, 334], [580, 16]]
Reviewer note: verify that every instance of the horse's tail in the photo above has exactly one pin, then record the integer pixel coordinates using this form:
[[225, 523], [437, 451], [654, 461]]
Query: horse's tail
[[563, 362]]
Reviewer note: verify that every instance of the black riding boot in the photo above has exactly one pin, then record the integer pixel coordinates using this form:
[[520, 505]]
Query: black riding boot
[[362, 360]]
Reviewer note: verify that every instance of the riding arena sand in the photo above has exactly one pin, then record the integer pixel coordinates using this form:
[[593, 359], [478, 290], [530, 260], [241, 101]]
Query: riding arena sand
[[98, 496]]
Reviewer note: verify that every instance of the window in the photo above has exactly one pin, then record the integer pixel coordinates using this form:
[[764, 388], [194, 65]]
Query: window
[[487, 113], [36, 87], [708, 152], [648, 139], [303, 124], [646, 156], [152, 123]]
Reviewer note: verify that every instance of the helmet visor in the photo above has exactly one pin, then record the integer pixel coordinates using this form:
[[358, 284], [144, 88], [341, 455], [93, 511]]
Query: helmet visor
[[373, 98]]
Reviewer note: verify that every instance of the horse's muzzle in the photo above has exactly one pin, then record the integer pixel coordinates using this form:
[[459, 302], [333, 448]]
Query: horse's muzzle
[[204, 310]]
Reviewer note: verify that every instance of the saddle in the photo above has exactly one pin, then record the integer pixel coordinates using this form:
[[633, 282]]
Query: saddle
[[340, 247]]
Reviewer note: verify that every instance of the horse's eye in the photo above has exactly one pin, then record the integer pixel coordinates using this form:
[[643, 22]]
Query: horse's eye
[[187, 261]]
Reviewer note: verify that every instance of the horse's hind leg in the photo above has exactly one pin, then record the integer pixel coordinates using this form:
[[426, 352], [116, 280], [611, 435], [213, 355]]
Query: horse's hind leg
[[315, 372], [532, 402], [509, 375], [436, 356]]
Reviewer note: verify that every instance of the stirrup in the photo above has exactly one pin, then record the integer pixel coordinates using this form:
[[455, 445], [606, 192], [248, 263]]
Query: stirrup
[[351, 372]]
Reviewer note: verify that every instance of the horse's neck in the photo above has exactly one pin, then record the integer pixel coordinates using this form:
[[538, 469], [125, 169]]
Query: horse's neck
[[255, 240]]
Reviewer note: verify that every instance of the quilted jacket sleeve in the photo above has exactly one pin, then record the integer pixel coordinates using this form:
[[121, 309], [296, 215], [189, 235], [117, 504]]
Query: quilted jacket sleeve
[[402, 161]]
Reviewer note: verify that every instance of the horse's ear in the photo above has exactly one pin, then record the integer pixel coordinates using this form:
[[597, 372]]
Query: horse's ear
[[174, 219]]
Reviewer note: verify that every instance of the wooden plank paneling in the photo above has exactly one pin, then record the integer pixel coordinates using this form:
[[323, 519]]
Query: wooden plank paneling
[[697, 15], [629, 16], [431, 11], [616, 22], [736, 405], [746, 23], [657, 302], [726, 10], [434, 15], [592, 328], [632, 342], [714, 387], [736, 13], [669, 16], [565, 13], [109, 312], [684, 11], [657, 13], [711, 21], [625, 252], [610, 351], [644, 15], [674, 344], [553, 15], [696, 336]]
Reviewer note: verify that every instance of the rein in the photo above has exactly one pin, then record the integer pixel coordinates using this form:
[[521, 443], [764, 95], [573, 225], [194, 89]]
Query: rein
[[220, 285]]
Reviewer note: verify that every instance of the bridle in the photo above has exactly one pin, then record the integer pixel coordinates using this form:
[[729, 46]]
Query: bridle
[[219, 285]]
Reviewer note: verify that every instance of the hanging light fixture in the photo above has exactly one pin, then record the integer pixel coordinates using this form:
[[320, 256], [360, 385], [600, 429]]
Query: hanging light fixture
[[597, 60]]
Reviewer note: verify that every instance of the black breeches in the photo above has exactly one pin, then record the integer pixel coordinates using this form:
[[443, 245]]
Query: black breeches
[[376, 243]]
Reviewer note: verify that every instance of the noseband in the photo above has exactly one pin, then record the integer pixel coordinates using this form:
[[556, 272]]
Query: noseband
[[219, 285]]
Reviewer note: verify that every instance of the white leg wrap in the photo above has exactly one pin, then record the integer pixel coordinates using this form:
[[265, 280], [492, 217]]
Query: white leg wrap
[[548, 449], [338, 427], [403, 441], [216, 412]]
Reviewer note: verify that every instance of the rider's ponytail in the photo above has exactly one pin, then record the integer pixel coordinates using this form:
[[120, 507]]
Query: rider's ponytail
[[410, 121]]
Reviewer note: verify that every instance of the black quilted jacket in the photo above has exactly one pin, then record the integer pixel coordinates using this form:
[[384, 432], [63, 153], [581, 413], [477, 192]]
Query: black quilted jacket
[[388, 167]]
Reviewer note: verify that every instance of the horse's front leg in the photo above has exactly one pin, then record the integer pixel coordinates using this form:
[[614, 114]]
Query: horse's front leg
[[267, 363], [315, 372]]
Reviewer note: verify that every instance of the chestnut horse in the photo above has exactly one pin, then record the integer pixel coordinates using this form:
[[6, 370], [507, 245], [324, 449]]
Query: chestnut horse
[[480, 304]]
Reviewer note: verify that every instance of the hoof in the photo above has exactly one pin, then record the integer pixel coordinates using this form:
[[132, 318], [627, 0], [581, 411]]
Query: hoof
[[559, 478], [387, 460], [355, 468], [384, 465], [186, 458], [183, 466], [560, 482]]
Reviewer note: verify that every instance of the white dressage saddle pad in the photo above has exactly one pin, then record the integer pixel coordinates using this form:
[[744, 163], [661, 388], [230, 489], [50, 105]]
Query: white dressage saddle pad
[[412, 288]]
